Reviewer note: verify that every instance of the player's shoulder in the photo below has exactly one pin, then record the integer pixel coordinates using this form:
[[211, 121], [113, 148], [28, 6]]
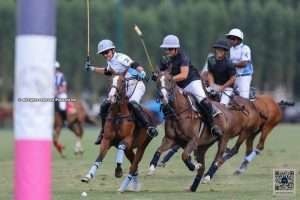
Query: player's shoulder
[[245, 47]]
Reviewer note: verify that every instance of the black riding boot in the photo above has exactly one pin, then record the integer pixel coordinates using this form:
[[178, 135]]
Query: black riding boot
[[140, 115], [208, 112], [103, 114]]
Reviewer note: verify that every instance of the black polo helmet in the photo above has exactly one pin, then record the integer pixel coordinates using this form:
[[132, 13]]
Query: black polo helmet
[[222, 43]]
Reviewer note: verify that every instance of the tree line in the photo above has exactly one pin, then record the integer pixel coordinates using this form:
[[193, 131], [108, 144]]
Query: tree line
[[270, 27]]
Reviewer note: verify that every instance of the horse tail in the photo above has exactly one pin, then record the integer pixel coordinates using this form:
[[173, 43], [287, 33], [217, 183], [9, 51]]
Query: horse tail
[[283, 103]]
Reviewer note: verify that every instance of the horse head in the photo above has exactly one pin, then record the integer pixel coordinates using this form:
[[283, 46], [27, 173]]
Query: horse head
[[117, 91], [166, 86]]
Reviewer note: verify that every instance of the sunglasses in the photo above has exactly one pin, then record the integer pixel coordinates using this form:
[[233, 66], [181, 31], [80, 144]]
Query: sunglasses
[[105, 52], [233, 38]]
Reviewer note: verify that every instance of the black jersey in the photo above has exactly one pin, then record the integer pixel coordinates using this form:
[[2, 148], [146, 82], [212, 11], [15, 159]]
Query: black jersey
[[221, 70], [175, 63]]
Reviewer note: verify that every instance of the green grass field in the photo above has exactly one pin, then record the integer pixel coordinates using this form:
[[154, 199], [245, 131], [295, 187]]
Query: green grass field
[[281, 151]]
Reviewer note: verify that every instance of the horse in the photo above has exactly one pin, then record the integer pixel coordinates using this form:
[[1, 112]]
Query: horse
[[270, 115], [185, 127], [76, 116], [122, 130], [6, 114]]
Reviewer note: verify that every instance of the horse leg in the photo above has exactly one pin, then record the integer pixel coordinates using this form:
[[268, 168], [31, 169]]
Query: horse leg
[[218, 161], [57, 129], [186, 154], [249, 147], [200, 158], [169, 155], [76, 127], [235, 149], [266, 130], [130, 156], [167, 143], [105, 145], [133, 170]]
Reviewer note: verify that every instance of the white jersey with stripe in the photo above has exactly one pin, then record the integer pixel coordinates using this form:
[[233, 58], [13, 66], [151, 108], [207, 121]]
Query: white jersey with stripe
[[240, 53], [119, 63]]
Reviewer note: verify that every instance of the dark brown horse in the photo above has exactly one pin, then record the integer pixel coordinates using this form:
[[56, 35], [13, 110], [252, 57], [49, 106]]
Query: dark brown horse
[[76, 116], [183, 126], [121, 130]]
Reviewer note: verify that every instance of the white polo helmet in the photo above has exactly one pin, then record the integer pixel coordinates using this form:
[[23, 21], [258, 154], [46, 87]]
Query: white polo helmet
[[104, 45], [236, 32], [170, 41], [57, 65]]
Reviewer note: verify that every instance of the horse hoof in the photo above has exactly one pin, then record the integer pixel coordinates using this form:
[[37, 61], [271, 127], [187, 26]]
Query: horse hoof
[[188, 189], [118, 172], [85, 179], [237, 172], [134, 187], [121, 190], [161, 164]]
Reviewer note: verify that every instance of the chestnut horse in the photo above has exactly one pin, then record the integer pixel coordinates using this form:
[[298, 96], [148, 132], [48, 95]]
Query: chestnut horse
[[270, 114], [123, 131], [183, 126], [76, 116]]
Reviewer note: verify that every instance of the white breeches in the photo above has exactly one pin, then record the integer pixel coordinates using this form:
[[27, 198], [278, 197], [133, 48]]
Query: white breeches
[[226, 94], [62, 104], [196, 88], [135, 90], [243, 85]]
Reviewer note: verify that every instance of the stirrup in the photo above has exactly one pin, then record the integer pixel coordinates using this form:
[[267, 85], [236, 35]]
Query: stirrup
[[151, 131]]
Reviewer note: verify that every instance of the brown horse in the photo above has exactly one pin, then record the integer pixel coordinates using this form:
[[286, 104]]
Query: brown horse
[[121, 130], [270, 114], [76, 116], [6, 114], [184, 127]]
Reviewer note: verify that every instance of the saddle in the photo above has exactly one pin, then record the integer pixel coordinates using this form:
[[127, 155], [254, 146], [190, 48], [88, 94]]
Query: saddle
[[193, 103]]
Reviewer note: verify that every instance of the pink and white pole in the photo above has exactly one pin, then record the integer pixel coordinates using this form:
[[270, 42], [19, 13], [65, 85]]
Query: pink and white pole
[[34, 82]]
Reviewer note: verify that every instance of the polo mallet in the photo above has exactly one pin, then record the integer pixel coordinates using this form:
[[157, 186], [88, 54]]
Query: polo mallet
[[88, 30], [140, 34]]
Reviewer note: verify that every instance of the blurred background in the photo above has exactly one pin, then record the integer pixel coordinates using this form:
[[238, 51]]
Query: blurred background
[[271, 29]]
